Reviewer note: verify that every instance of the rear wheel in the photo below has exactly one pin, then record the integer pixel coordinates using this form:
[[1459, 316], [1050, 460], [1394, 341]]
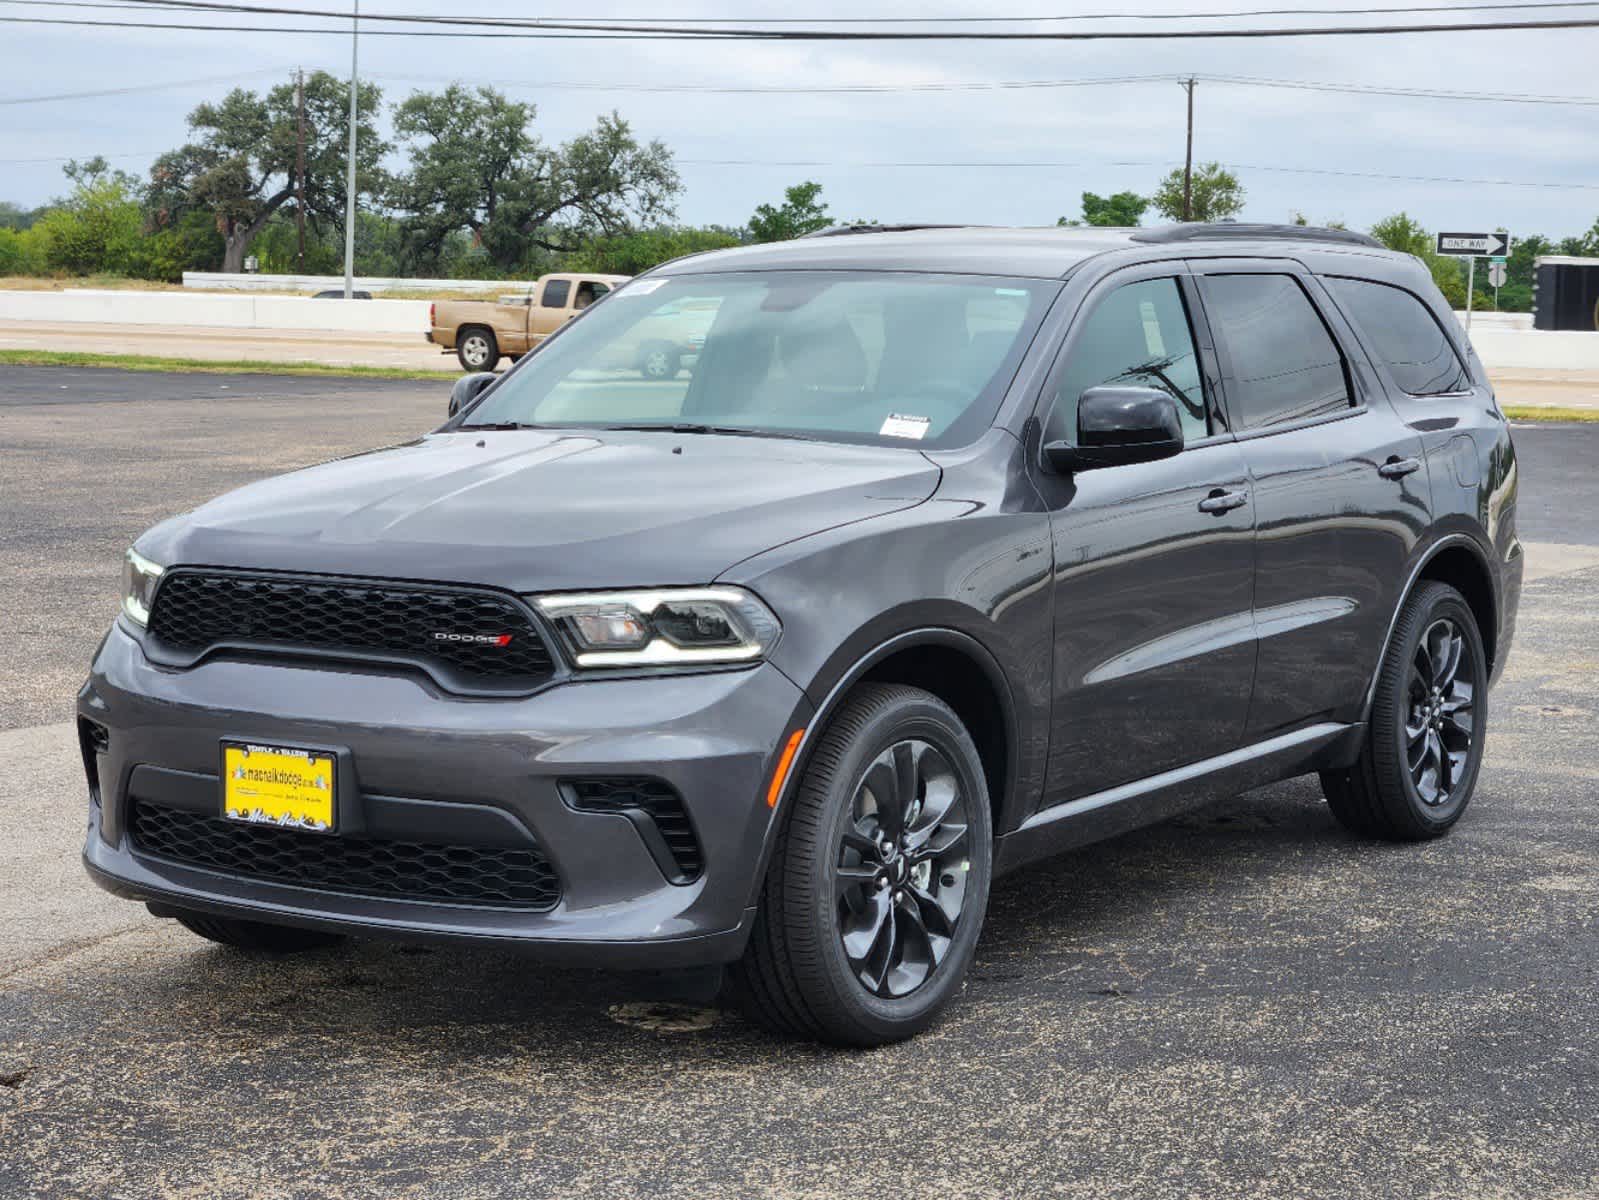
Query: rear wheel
[[659, 360], [255, 935], [476, 348], [1424, 741], [878, 884]]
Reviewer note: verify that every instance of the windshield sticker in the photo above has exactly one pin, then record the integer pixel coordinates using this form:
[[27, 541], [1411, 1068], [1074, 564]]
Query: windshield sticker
[[902, 426], [1010, 291], [641, 287]]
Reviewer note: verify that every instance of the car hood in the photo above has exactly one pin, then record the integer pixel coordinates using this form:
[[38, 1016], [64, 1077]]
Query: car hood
[[532, 510]]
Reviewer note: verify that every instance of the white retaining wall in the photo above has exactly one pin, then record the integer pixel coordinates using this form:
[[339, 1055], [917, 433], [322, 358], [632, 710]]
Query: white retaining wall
[[1500, 345], [87, 306], [363, 283]]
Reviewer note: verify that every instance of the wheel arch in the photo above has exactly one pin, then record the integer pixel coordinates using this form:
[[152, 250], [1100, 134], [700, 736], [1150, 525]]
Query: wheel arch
[[959, 670], [1458, 560]]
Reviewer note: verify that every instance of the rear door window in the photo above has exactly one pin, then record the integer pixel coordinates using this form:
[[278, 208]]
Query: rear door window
[[1281, 364], [1401, 331], [556, 292]]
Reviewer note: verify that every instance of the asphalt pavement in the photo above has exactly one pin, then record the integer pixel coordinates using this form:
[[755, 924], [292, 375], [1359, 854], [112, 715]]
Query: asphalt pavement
[[1244, 1002]]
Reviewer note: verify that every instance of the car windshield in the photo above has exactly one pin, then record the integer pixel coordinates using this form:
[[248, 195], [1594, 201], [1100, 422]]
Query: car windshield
[[879, 357]]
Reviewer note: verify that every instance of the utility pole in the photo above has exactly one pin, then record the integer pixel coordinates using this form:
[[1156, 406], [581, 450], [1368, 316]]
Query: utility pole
[[349, 176], [1188, 157], [299, 163]]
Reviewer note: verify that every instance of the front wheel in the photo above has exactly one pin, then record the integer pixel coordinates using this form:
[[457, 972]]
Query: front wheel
[[1429, 717], [879, 880]]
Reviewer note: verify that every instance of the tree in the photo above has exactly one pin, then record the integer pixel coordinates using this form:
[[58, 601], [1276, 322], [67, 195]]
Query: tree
[[1217, 194], [240, 167], [802, 211], [96, 228], [477, 165], [1405, 234], [638, 250], [1124, 208]]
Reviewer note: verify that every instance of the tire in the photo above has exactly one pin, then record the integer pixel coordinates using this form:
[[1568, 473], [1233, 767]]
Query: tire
[[255, 935], [659, 360], [476, 348], [1406, 788], [797, 975]]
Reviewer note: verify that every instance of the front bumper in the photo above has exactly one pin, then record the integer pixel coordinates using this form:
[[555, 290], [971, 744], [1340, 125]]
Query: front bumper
[[418, 755]]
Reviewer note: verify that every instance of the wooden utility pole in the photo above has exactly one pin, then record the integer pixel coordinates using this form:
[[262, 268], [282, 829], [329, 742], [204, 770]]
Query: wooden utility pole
[[1188, 157], [299, 163]]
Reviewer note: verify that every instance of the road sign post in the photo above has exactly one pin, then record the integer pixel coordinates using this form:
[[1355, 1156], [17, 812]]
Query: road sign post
[[1496, 276], [1471, 246]]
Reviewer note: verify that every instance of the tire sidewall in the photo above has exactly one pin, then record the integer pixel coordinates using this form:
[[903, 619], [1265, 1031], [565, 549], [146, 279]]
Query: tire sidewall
[[491, 347], [1445, 603], [929, 721]]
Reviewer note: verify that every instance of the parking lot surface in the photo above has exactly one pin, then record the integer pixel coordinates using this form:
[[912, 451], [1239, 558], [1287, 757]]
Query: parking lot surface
[[1243, 1002]]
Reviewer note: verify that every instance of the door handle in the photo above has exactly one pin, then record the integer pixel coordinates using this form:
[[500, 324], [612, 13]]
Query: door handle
[[1398, 468], [1219, 502]]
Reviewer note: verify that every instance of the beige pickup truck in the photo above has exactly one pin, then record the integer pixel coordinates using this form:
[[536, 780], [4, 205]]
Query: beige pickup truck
[[482, 331]]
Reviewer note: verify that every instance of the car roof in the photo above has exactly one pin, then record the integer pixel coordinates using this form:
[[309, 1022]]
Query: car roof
[[1040, 253]]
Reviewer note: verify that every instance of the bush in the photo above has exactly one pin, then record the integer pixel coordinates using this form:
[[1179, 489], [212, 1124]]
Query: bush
[[21, 252]]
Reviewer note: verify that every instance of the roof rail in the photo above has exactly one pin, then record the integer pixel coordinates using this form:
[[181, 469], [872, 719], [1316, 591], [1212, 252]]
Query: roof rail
[[1234, 231], [842, 230]]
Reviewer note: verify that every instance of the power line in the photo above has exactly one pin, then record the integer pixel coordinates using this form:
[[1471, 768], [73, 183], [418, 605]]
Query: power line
[[601, 31], [650, 22], [131, 89]]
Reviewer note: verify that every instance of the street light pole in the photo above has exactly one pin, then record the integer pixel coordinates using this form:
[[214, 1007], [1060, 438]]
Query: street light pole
[[349, 175]]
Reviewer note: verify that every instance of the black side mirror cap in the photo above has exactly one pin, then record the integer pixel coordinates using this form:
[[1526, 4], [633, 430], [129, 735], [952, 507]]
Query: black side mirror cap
[[468, 388], [1117, 426]]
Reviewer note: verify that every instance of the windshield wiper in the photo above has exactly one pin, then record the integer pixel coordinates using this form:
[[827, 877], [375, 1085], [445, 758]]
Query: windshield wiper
[[695, 427], [501, 425]]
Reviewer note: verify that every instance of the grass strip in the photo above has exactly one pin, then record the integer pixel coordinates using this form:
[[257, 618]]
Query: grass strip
[[151, 362]]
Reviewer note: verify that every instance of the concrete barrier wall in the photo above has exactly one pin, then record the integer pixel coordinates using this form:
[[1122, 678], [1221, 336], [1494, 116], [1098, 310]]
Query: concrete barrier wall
[[363, 283], [216, 312], [1500, 345]]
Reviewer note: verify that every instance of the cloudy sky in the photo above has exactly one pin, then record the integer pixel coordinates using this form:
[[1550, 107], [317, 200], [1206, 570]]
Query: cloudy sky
[[736, 150]]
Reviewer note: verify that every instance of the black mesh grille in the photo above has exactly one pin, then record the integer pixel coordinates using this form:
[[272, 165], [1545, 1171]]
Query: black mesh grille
[[197, 610], [659, 802], [501, 877]]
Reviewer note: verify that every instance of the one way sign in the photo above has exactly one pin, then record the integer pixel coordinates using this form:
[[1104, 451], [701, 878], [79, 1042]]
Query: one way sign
[[1474, 245]]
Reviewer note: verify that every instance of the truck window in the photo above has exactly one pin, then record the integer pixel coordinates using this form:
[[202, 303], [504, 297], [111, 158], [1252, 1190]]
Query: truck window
[[556, 292], [588, 292]]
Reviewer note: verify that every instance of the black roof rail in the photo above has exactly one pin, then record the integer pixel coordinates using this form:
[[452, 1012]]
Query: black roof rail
[[1234, 231], [842, 230]]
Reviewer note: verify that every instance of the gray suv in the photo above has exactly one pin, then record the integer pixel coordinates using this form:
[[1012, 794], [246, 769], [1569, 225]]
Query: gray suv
[[959, 548]]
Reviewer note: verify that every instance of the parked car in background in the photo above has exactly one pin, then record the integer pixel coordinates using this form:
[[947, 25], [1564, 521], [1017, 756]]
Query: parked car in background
[[338, 294], [957, 549], [481, 332]]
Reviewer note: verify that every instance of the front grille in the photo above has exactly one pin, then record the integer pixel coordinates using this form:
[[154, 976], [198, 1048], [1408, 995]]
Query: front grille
[[493, 876], [195, 611], [659, 803]]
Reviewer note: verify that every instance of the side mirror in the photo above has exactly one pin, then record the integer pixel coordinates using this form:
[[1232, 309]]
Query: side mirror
[[467, 389], [1117, 426]]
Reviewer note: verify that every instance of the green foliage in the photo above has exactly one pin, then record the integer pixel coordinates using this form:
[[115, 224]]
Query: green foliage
[[802, 211], [22, 252], [1124, 208], [95, 229], [638, 250], [1404, 233], [240, 167], [477, 166], [1216, 192], [14, 216]]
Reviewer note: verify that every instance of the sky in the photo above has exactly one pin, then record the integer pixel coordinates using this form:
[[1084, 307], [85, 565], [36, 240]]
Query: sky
[[735, 151]]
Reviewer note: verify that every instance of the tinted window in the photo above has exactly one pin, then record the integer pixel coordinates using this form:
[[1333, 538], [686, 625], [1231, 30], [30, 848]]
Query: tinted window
[[893, 358], [1282, 364], [1137, 336], [555, 292], [1402, 333]]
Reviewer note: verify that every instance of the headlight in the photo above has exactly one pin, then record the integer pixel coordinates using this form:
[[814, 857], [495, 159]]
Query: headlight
[[139, 577], [662, 628]]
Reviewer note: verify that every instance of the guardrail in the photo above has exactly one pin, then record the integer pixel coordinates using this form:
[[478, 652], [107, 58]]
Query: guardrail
[[363, 283]]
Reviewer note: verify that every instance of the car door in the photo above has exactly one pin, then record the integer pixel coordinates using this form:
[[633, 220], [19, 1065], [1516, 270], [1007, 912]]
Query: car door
[[1154, 649], [553, 307], [1339, 483]]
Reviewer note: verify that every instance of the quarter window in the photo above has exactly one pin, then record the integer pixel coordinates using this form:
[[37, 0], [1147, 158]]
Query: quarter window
[[555, 293], [1282, 364], [1407, 337], [1137, 336]]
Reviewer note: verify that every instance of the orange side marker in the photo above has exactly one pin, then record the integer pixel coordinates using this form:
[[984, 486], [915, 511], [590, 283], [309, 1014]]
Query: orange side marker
[[784, 762]]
